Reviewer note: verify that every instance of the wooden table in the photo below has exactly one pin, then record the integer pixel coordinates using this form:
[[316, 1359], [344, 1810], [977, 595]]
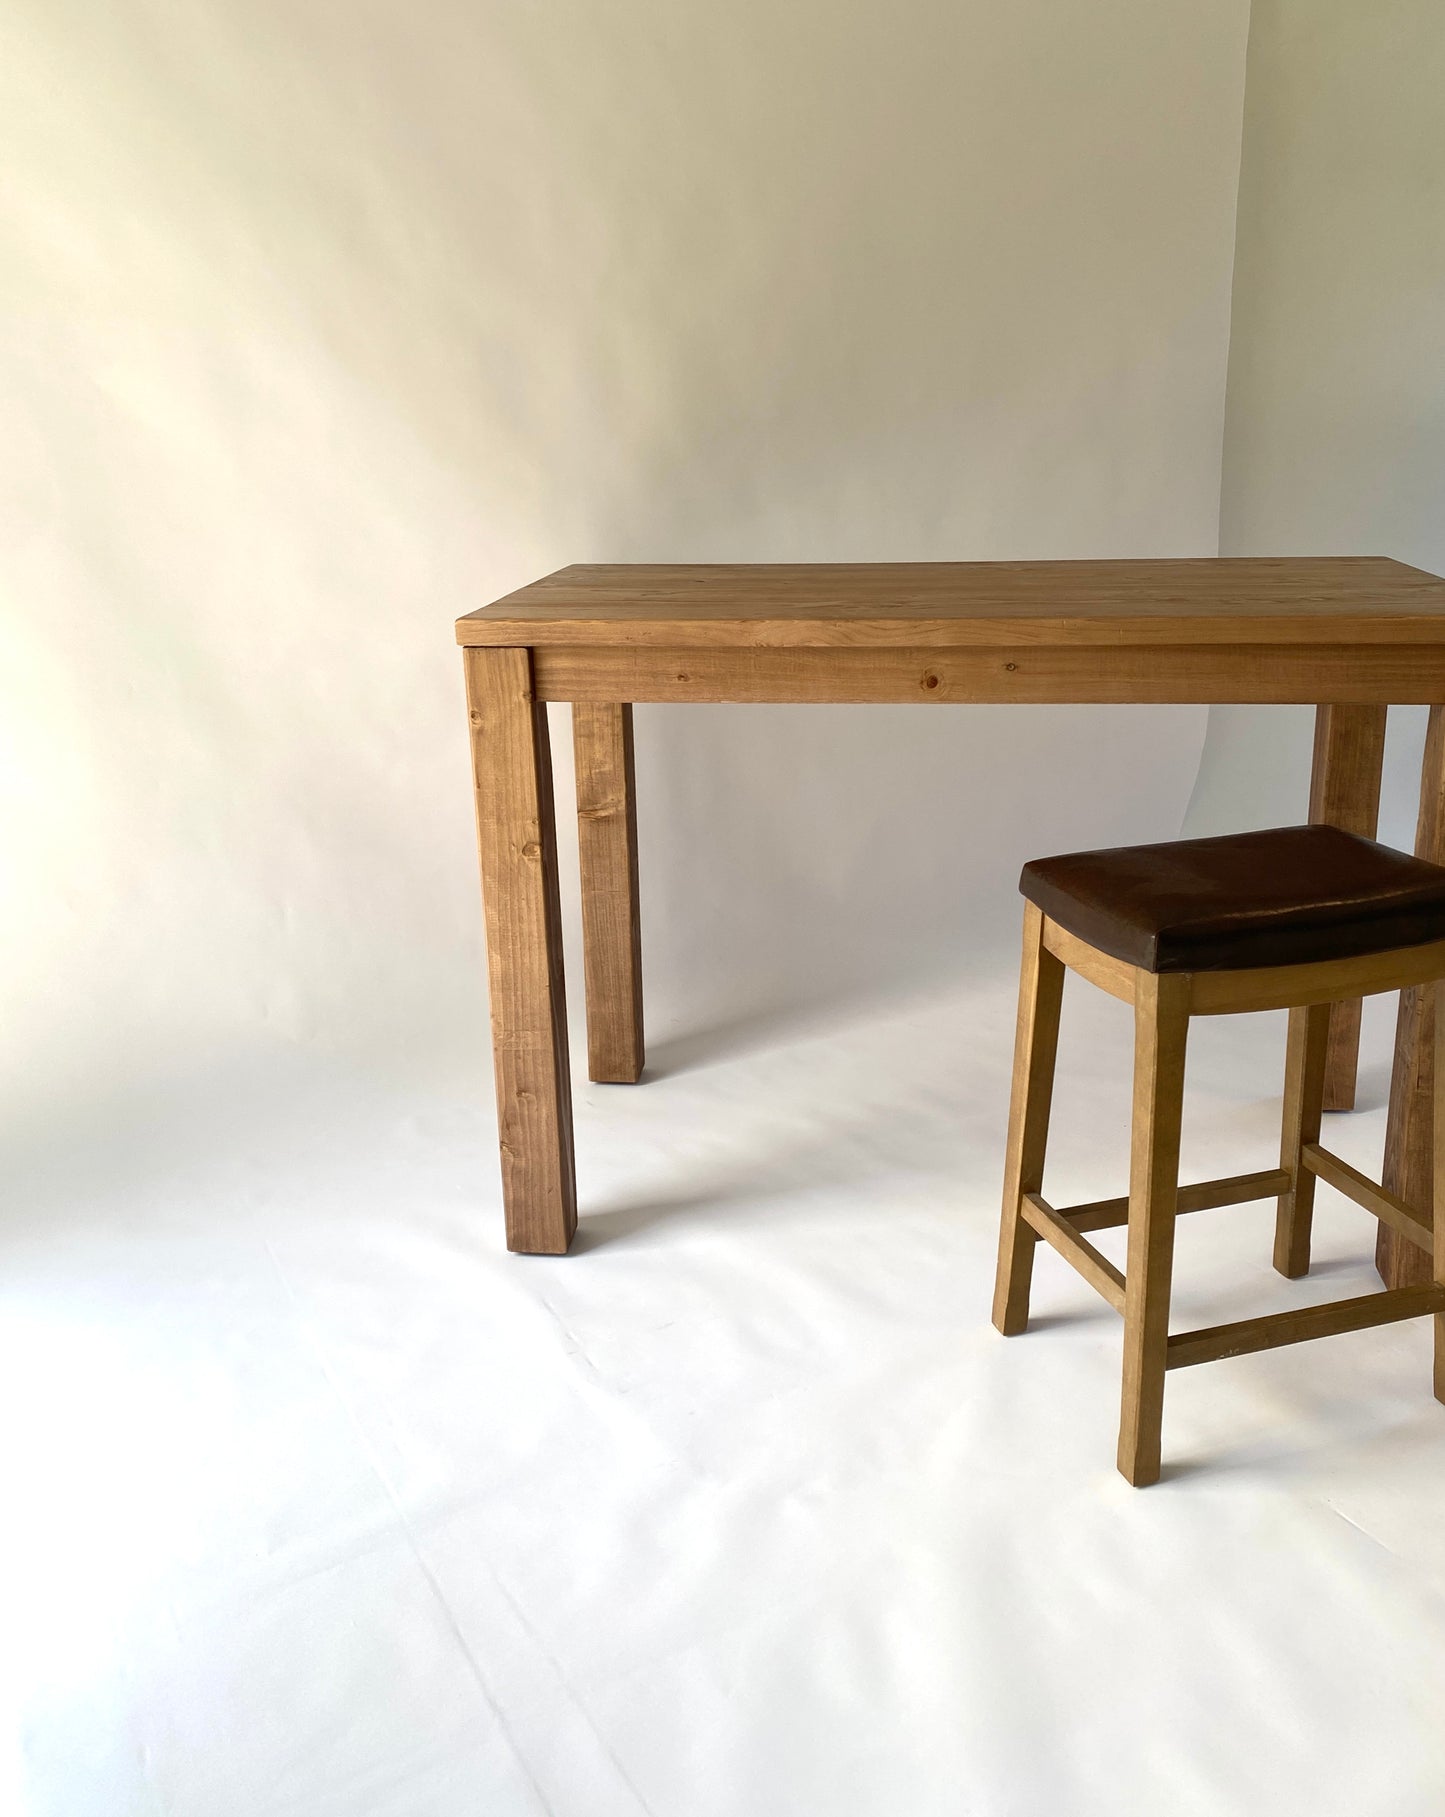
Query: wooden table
[[1354, 633]]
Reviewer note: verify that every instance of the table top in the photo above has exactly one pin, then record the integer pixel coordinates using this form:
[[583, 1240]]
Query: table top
[[1331, 599]]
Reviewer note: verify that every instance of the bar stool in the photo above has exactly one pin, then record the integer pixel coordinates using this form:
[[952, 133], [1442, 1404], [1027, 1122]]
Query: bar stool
[[1293, 918]]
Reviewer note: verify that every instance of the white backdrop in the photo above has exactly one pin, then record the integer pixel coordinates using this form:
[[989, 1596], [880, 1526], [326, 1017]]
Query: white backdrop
[[322, 325], [321, 328], [1335, 430]]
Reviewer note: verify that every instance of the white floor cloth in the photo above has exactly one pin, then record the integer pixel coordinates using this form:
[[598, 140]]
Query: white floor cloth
[[320, 1503]]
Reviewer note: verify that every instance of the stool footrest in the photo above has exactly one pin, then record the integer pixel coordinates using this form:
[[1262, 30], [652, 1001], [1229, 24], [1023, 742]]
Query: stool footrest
[[1097, 1269], [1387, 1206], [1268, 1333], [1204, 1195]]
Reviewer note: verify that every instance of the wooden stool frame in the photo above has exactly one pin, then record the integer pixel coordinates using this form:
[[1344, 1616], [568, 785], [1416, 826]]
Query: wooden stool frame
[[1163, 1004]]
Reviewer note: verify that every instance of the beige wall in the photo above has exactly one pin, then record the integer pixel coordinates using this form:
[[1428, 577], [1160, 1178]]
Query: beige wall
[[321, 324], [1335, 430]]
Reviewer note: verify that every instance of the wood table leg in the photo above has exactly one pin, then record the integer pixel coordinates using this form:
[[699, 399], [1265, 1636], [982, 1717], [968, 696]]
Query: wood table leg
[[517, 845], [1438, 1209], [1345, 792], [1409, 1135], [611, 925]]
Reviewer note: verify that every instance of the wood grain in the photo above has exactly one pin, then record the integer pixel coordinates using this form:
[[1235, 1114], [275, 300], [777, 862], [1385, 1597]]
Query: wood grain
[[1036, 1040], [1161, 1030], [1324, 981], [1245, 1336], [1103, 970], [1204, 1195], [1437, 1209], [1263, 987], [1331, 599], [1409, 1133], [611, 921], [1306, 1052], [1349, 754], [1366, 1194], [1008, 673], [516, 843], [1077, 1251]]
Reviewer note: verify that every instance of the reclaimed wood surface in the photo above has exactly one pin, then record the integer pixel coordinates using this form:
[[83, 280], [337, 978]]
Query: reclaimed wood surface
[[512, 771], [1409, 1131], [1288, 599], [1437, 1220], [1013, 674], [611, 922], [1349, 756]]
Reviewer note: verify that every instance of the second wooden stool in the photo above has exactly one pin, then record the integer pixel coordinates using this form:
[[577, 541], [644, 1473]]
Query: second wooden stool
[[1294, 918]]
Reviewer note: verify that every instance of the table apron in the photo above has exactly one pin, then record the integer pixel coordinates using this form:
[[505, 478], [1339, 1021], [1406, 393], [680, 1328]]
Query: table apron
[[1189, 674]]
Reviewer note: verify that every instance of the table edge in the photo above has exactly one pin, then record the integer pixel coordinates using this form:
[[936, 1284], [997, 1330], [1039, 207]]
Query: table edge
[[474, 631]]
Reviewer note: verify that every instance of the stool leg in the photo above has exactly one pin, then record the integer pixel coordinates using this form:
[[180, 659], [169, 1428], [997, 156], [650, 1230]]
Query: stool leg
[[1161, 1030], [1438, 1209], [1306, 1064], [1041, 987]]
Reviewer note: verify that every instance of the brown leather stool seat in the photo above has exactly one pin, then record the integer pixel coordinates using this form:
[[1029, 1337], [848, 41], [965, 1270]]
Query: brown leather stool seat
[[1293, 895]]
